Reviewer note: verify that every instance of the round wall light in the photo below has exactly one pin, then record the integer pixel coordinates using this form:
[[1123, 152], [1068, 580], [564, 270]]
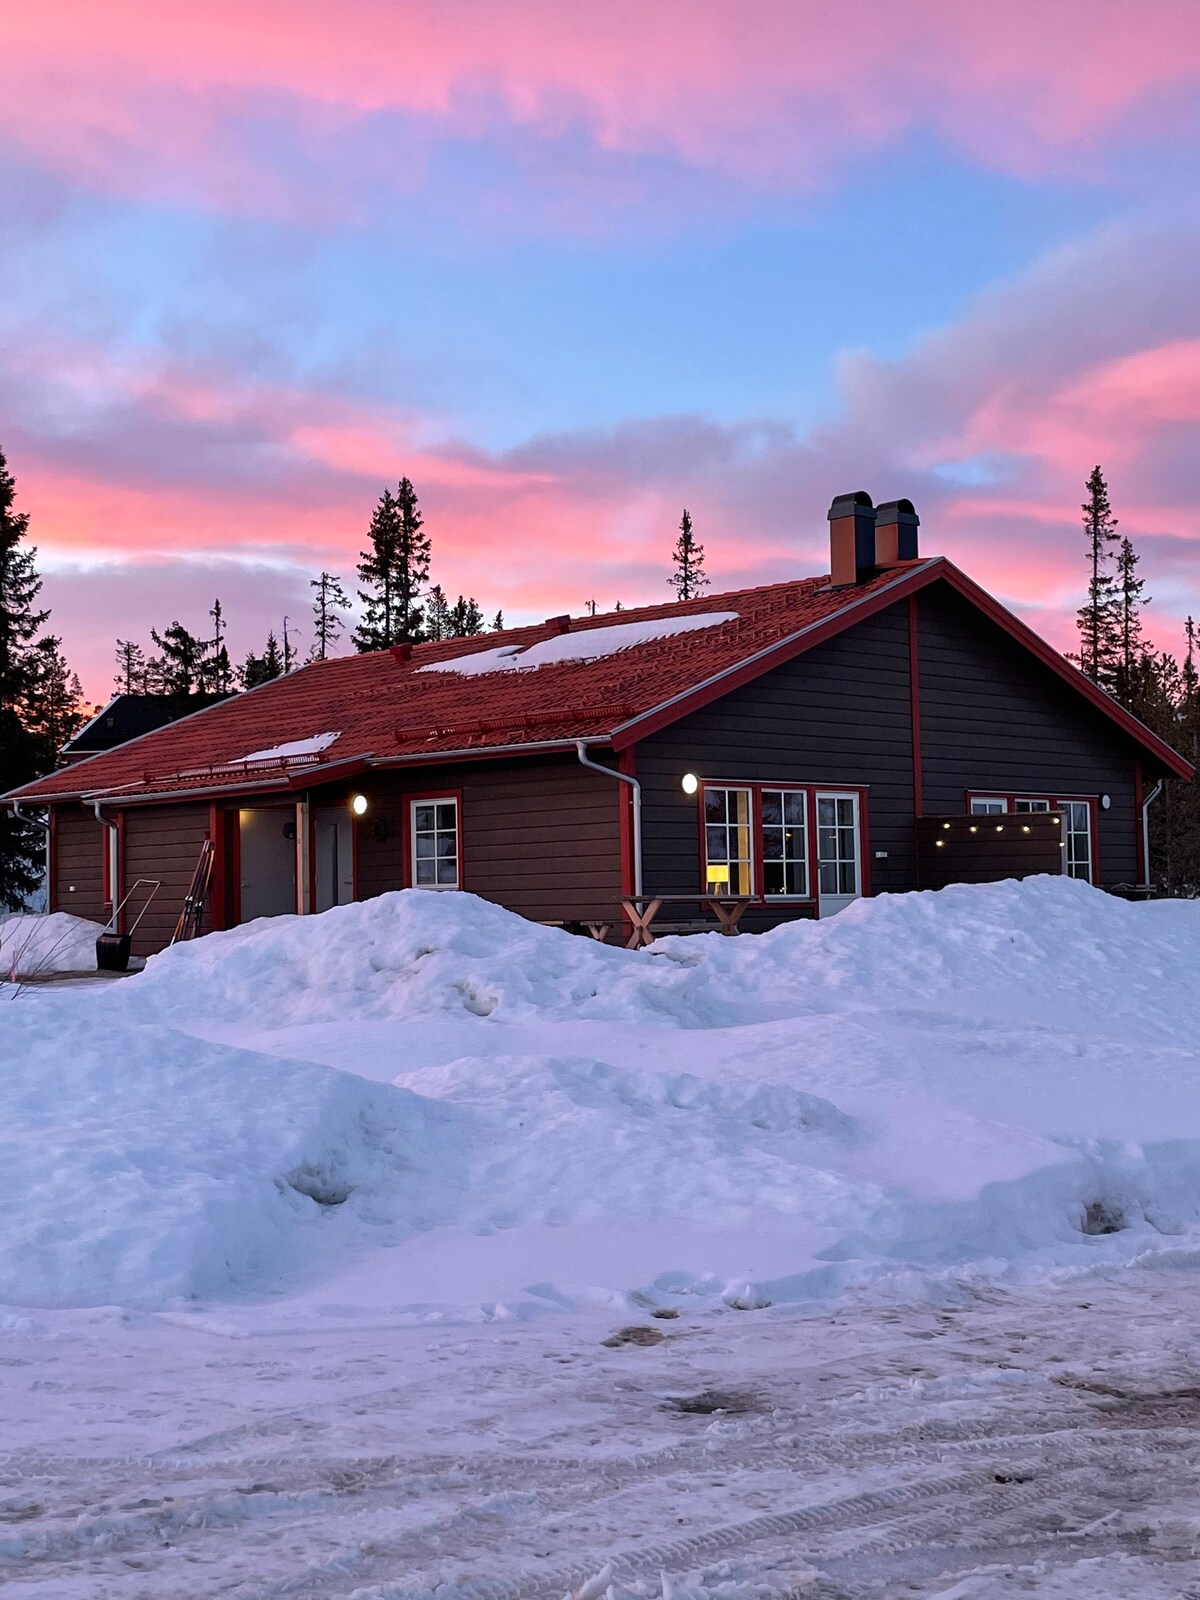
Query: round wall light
[[690, 783], [1105, 801], [359, 805]]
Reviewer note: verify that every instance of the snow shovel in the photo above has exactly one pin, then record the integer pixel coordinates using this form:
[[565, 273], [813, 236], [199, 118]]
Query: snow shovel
[[112, 948]]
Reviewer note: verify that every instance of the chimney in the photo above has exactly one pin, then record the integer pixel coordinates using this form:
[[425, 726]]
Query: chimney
[[896, 526], [851, 539], [558, 624]]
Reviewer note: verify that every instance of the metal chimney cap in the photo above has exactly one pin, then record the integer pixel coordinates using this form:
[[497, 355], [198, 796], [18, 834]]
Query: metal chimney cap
[[898, 511], [847, 505]]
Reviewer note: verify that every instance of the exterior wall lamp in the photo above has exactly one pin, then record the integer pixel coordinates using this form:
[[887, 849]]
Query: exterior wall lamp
[[691, 783], [359, 805]]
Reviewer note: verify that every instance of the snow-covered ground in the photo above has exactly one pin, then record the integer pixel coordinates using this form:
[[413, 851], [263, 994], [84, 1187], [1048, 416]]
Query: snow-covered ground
[[316, 1231]]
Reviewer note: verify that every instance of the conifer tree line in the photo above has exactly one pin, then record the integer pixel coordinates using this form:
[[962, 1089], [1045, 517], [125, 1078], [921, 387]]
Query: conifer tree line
[[1160, 688]]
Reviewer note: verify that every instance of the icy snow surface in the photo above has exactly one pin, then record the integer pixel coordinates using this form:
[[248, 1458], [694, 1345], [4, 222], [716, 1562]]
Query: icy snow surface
[[416, 1251], [34, 946], [587, 644]]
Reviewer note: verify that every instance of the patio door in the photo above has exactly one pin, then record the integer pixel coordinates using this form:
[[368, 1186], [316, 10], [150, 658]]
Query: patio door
[[839, 851], [333, 837]]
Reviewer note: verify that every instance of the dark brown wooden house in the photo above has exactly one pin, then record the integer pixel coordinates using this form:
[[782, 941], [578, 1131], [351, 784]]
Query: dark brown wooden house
[[882, 728]]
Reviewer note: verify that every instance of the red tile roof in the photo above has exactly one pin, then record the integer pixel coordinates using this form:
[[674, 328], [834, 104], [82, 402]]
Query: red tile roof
[[387, 710]]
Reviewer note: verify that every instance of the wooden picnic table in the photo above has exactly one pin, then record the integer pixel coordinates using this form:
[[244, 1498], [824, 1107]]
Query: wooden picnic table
[[642, 909]]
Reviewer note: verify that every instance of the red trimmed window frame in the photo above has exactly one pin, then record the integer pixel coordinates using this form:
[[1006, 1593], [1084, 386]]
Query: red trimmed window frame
[[1055, 800], [755, 789], [427, 797]]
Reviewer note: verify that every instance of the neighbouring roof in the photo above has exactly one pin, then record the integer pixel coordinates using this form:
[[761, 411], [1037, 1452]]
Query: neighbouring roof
[[607, 679], [128, 716]]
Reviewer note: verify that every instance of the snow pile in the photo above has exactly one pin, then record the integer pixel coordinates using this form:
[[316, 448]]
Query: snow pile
[[411, 954], [1049, 950], [41, 946], [141, 1165], [587, 644], [1000, 1082]]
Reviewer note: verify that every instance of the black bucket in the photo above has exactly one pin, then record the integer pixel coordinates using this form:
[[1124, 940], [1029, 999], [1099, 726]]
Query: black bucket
[[112, 952]]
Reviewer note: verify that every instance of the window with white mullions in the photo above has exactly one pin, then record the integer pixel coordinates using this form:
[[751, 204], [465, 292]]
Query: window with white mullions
[[837, 845], [1077, 828], [1031, 805], [988, 805], [728, 851], [785, 841], [435, 853]]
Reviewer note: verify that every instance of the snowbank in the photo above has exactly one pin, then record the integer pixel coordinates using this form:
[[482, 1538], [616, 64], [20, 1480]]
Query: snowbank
[[412, 954], [141, 1165], [1047, 950], [996, 1082], [41, 946]]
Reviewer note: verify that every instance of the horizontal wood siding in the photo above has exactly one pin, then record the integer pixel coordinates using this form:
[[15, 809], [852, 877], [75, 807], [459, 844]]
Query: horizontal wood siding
[[839, 715], [540, 836], [995, 720], [163, 842], [79, 863]]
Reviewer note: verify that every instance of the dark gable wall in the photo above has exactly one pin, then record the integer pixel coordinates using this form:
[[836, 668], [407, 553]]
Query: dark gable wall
[[540, 836], [993, 717], [79, 863], [839, 715]]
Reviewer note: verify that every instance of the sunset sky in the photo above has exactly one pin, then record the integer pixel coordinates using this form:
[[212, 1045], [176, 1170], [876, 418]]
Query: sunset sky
[[572, 267]]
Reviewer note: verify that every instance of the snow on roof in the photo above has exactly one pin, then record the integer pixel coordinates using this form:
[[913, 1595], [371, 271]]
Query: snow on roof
[[589, 644], [311, 746]]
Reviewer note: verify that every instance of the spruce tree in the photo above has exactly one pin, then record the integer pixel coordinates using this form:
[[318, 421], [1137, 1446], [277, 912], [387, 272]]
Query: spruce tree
[[272, 659], [1131, 649], [393, 571], [1099, 617], [52, 706], [22, 845], [131, 668], [261, 669], [498, 622], [289, 651], [328, 623], [466, 618], [215, 675], [182, 659], [437, 615], [688, 578]]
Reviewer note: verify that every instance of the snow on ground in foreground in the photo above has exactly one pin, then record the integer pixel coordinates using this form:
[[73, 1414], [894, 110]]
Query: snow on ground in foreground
[[141, 1165], [33, 946], [929, 1091]]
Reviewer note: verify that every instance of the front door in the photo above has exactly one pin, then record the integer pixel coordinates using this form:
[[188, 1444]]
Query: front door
[[267, 850], [839, 870], [333, 828]]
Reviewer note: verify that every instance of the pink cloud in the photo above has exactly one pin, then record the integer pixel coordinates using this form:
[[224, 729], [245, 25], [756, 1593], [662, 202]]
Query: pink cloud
[[136, 96]]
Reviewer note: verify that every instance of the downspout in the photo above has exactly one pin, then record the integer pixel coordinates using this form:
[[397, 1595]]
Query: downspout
[[107, 822], [44, 824], [1146, 804], [635, 786]]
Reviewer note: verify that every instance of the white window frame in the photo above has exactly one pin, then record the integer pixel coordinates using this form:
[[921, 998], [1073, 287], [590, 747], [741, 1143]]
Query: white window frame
[[854, 859], [413, 832], [782, 826], [748, 860], [988, 805]]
